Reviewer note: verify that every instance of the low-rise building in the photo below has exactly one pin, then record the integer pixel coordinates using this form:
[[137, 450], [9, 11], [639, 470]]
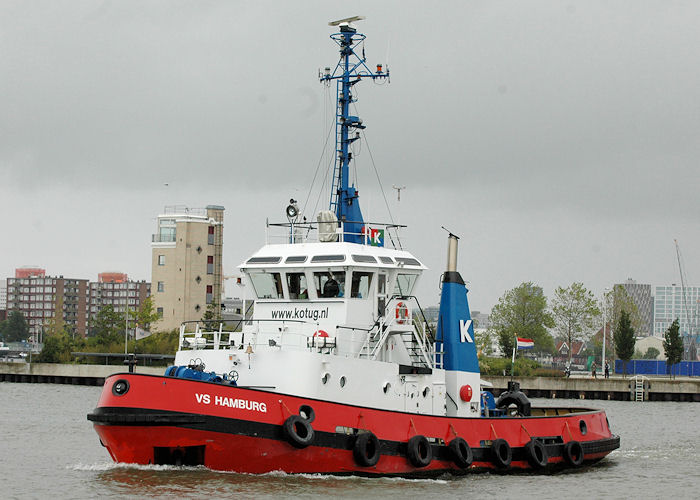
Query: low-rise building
[[74, 302], [42, 298], [115, 289]]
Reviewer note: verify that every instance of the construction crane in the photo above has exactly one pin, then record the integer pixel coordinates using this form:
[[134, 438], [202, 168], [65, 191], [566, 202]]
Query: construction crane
[[690, 350]]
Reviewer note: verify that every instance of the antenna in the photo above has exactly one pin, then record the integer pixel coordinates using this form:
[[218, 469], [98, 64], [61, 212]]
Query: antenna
[[398, 191], [347, 20]]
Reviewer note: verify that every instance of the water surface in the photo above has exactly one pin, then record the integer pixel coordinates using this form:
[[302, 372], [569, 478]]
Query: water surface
[[49, 449]]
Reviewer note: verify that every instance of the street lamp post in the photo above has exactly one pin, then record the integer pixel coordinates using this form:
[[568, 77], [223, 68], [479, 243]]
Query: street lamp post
[[602, 364]]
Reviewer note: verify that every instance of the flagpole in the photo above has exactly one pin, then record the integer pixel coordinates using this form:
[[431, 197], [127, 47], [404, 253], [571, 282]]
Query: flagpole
[[512, 363], [126, 324]]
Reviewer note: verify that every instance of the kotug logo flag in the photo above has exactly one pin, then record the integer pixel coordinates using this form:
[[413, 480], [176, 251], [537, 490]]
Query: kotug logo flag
[[375, 237], [300, 313]]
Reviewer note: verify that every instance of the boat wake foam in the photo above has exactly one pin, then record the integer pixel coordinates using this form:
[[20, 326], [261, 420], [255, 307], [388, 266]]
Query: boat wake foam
[[108, 466], [111, 466]]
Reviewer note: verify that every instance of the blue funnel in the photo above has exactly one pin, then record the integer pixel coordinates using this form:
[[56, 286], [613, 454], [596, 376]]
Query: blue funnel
[[455, 331]]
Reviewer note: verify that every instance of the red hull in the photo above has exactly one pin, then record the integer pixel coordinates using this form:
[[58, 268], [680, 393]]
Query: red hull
[[238, 429]]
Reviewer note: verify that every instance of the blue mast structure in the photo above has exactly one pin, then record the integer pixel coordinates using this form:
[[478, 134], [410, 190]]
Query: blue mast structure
[[350, 70]]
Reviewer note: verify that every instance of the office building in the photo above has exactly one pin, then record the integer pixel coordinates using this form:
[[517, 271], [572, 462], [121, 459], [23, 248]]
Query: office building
[[641, 295], [670, 304]]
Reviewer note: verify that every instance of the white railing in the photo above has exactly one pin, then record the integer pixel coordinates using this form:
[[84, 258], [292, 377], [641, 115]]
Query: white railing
[[372, 345], [306, 232], [198, 335]]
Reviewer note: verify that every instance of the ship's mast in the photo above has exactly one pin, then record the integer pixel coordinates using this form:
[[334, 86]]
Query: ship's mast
[[350, 70]]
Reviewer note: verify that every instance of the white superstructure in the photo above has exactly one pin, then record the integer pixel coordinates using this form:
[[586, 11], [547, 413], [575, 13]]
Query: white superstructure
[[332, 321]]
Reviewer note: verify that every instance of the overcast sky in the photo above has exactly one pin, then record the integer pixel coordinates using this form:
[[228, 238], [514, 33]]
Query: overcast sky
[[559, 139]]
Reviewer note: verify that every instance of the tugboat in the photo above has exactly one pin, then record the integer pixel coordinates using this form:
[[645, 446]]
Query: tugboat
[[333, 374]]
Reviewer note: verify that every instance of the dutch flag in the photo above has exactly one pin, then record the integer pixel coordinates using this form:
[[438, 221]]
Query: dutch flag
[[525, 343]]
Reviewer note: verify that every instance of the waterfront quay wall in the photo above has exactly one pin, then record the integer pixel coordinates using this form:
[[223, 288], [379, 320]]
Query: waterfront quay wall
[[618, 388], [55, 373]]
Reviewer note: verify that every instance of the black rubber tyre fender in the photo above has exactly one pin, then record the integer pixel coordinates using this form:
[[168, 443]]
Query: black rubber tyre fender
[[298, 431], [501, 453], [520, 400], [308, 411], [366, 449], [573, 453], [462, 454], [536, 454], [419, 451]]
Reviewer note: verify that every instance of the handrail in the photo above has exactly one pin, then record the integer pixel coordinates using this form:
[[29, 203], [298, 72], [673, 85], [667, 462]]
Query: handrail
[[216, 339], [300, 232]]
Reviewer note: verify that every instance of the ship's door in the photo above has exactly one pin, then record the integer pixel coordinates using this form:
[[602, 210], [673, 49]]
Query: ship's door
[[411, 396], [381, 295]]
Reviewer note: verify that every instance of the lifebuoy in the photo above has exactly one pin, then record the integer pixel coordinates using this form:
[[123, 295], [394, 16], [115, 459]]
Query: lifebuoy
[[501, 453], [419, 451], [462, 454], [298, 431], [366, 449], [536, 454], [320, 333], [401, 313], [573, 453]]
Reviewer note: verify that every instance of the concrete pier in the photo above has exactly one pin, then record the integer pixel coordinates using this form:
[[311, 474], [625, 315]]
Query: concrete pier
[[618, 388], [54, 373]]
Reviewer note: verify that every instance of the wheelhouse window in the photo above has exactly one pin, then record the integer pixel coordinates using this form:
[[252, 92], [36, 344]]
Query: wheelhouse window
[[404, 284], [361, 281], [296, 284], [267, 285], [330, 284]]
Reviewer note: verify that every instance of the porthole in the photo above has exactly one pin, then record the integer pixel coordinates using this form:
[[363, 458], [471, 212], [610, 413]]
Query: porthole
[[325, 378], [120, 387], [426, 391], [386, 387], [342, 381], [583, 427]]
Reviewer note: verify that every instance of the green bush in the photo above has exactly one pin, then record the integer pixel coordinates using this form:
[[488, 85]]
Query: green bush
[[499, 366], [524, 367]]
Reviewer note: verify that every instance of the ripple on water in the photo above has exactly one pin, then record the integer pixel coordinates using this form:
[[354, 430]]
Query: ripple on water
[[657, 459]]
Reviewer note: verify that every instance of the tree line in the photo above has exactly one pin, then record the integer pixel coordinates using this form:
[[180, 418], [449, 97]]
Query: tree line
[[573, 316], [105, 334]]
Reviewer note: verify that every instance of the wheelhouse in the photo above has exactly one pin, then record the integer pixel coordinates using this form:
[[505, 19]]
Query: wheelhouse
[[334, 284]]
